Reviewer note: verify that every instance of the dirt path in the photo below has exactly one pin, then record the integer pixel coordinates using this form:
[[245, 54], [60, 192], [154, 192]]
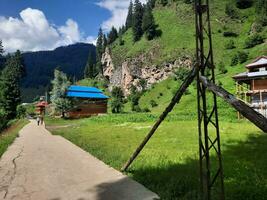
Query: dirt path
[[39, 166]]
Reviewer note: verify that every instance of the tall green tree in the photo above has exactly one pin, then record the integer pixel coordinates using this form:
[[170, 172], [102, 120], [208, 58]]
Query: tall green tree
[[113, 35], [137, 20], [261, 10], [148, 24], [1, 55], [105, 41], [89, 70], [10, 96], [117, 100], [99, 50], [129, 19], [1, 48], [60, 84]]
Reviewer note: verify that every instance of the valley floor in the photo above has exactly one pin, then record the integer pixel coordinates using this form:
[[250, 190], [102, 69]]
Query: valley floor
[[169, 163]]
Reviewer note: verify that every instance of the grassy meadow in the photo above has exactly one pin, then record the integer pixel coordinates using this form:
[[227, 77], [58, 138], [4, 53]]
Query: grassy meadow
[[169, 163]]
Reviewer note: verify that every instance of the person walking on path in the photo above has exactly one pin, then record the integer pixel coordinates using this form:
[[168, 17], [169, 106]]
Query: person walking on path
[[38, 120], [41, 119]]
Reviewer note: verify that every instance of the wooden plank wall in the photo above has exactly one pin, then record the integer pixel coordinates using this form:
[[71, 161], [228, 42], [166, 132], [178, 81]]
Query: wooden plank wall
[[86, 110], [260, 84]]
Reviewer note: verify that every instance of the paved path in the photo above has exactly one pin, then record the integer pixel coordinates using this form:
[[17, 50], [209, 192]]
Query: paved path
[[39, 166]]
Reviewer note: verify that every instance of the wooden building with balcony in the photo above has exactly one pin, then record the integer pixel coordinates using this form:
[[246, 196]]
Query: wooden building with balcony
[[251, 86]]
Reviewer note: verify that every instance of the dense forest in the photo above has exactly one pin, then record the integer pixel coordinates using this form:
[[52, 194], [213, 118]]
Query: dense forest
[[40, 66]]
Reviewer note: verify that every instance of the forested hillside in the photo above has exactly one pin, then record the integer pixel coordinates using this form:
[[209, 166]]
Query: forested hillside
[[40, 67], [239, 36]]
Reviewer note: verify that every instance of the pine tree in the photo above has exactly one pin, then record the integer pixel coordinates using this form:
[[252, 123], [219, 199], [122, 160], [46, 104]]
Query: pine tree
[[1, 49], [2, 60], [10, 96], [105, 42], [89, 70], [99, 50], [113, 35], [129, 19], [137, 20], [60, 85], [148, 24], [151, 3], [261, 10], [117, 100]]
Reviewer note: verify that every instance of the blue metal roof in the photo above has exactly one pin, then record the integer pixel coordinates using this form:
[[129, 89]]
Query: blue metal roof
[[78, 88], [85, 92]]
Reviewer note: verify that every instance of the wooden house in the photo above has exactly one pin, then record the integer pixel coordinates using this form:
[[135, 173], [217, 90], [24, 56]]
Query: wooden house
[[87, 101], [251, 86]]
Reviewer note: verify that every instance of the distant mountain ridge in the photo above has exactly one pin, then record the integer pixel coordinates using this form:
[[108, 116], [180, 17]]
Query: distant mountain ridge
[[40, 66]]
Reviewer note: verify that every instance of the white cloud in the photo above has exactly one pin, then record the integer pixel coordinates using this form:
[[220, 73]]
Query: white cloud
[[33, 32], [118, 9]]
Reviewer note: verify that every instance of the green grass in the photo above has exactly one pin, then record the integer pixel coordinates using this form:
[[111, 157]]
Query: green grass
[[9, 135], [169, 163], [177, 25]]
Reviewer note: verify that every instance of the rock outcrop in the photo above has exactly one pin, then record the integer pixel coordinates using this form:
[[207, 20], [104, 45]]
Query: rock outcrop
[[136, 71]]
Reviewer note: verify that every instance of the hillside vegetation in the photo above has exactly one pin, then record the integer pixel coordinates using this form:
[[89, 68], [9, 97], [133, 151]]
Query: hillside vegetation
[[233, 43]]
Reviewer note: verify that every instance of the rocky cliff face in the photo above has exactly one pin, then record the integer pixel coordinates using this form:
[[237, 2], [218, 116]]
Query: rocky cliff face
[[137, 72]]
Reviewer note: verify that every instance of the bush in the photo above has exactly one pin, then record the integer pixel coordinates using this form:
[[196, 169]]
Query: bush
[[234, 60], [229, 34], [136, 108], [253, 41], [231, 11], [117, 100], [243, 4], [182, 73], [242, 56], [21, 111], [153, 103], [164, 2], [230, 44], [3, 121], [221, 68], [146, 110], [188, 1]]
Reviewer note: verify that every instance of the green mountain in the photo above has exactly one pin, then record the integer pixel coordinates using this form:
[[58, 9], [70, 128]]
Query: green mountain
[[40, 67], [237, 33]]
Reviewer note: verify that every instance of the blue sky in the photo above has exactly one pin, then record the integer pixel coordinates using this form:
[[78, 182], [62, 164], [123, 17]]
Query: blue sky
[[32, 25]]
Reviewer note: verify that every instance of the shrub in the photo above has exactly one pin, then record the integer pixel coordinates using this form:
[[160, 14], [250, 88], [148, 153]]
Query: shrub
[[231, 11], [117, 100], [164, 2], [21, 112], [221, 68], [187, 92], [3, 121], [242, 56], [153, 103], [146, 110], [253, 40], [188, 1], [229, 34], [136, 108], [230, 44], [234, 60], [182, 73], [243, 4]]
